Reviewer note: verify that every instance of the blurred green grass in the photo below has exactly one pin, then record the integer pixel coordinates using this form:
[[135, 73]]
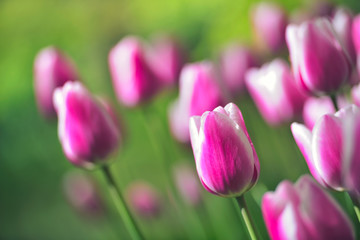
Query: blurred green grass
[[32, 205]]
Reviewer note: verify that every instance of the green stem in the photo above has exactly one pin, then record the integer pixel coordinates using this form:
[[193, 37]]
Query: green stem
[[121, 205], [334, 101], [356, 204], [357, 211], [244, 212]]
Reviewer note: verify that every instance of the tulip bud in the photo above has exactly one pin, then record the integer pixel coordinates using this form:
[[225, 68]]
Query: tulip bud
[[187, 184], [52, 69], [330, 149], [274, 91], [225, 157], [82, 193], [235, 60], [318, 60], [356, 33], [270, 22], [132, 79], [304, 211], [87, 132], [200, 91], [143, 199], [166, 58], [314, 108]]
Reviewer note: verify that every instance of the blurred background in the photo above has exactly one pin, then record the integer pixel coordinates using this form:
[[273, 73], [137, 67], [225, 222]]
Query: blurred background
[[32, 165]]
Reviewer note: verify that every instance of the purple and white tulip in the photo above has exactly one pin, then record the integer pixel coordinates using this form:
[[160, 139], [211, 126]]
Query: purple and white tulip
[[304, 211], [226, 160]]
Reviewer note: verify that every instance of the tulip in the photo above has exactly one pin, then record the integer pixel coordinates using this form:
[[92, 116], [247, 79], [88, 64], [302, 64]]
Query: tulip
[[330, 149], [132, 79], [318, 60], [187, 184], [52, 69], [226, 160], [314, 108], [166, 58], [304, 211], [355, 95], [82, 193], [87, 132], [143, 199], [356, 33], [200, 91], [274, 91], [270, 22]]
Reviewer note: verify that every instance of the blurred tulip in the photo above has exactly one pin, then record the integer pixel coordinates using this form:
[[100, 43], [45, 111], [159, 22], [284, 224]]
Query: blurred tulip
[[200, 91], [143, 199], [356, 33], [274, 91], [355, 95], [226, 160], [330, 149], [318, 60], [235, 60], [314, 108], [187, 184], [52, 69], [166, 58], [132, 79], [86, 130], [82, 193], [270, 22], [304, 211]]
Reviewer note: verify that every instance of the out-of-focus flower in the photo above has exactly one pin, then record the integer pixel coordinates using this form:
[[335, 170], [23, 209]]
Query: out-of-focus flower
[[314, 108], [132, 79], [166, 58], [318, 59], [356, 33], [330, 149], [275, 92], [143, 199], [235, 60], [52, 69], [270, 22], [87, 132], [226, 160], [82, 194], [200, 91], [187, 184], [355, 94], [304, 211]]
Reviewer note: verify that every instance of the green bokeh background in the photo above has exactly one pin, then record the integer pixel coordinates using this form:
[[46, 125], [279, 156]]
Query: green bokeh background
[[32, 165]]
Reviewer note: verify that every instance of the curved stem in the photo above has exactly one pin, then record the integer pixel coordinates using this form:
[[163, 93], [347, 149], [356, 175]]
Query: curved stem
[[334, 101], [121, 205], [244, 212]]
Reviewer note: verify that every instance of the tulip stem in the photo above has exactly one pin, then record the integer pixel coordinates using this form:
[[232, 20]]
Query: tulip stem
[[244, 212], [334, 101], [357, 211], [121, 205]]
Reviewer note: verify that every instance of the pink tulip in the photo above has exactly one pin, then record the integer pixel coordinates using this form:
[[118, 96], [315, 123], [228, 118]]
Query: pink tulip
[[143, 199], [314, 108], [87, 132], [52, 69], [132, 79], [356, 33], [318, 60], [274, 91], [355, 95], [304, 211], [226, 160], [82, 194], [270, 22], [187, 184], [166, 58], [330, 149], [235, 60], [200, 91]]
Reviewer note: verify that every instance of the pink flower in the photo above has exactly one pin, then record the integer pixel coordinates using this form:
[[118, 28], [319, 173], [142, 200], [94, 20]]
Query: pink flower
[[274, 91], [356, 33], [304, 211], [200, 91], [226, 160], [132, 79], [52, 69], [87, 132]]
